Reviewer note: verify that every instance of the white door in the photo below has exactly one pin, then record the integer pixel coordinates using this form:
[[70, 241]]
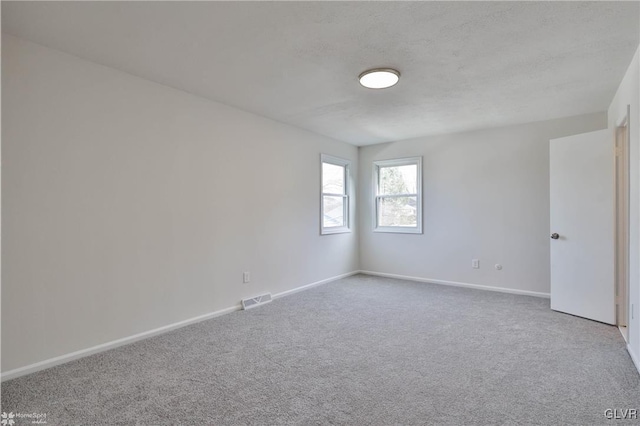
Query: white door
[[582, 207]]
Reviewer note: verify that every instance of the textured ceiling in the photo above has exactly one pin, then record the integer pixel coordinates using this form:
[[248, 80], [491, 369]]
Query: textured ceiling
[[464, 65]]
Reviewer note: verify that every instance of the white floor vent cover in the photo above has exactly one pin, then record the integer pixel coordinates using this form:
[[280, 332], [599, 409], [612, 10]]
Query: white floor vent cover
[[256, 301]]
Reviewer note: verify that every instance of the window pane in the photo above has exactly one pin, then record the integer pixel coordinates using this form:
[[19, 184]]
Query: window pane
[[333, 211], [398, 180], [332, 178], [397, 211]]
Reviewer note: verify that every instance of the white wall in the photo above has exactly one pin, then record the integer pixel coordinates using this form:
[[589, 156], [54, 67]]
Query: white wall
[[113, 185], [129, 205], [629, 94], [486, 196]]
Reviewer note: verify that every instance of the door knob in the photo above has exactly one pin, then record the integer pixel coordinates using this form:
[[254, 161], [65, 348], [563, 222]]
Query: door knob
[[555, 236]]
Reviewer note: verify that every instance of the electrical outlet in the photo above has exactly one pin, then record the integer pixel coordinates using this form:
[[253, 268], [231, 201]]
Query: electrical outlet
[[246, 277], [475, 263]]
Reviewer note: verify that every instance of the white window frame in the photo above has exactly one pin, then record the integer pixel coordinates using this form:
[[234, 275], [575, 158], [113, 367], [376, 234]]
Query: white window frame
[[377, 197], [324, 158]]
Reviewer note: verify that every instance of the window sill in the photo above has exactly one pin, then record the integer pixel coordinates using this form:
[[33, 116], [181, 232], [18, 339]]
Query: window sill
[[329, 231], [398, 230]]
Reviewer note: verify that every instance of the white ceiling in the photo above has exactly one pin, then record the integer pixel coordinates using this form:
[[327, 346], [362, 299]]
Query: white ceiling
[[464, 65]]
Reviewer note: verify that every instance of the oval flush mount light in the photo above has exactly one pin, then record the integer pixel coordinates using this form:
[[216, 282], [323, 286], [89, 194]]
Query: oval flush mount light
[[379, 78]]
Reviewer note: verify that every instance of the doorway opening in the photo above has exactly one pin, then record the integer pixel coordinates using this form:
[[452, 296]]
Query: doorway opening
[[621, 200]]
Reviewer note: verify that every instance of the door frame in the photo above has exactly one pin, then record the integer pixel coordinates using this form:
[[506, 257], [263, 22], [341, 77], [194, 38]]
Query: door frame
[[621, 219]]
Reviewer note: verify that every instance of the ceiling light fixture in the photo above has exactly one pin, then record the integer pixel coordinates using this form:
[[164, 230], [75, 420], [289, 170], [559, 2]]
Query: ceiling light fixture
[[379, 78]]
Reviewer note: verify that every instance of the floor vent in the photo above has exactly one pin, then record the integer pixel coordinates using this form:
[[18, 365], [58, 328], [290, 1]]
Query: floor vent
[[256, 301]]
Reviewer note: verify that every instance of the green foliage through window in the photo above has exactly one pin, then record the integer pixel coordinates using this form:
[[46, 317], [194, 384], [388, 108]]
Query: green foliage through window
[[397, 197]]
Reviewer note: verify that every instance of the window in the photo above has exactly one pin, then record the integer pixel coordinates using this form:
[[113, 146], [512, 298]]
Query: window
[[398, 195], [334, 200]]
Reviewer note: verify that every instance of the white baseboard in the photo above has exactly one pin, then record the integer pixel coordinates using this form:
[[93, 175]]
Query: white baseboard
[[459, 284], [634, 358], [62, 359], [308, 286]]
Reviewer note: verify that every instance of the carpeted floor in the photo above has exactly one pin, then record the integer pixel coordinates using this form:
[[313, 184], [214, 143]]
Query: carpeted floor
[[359, 351]]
